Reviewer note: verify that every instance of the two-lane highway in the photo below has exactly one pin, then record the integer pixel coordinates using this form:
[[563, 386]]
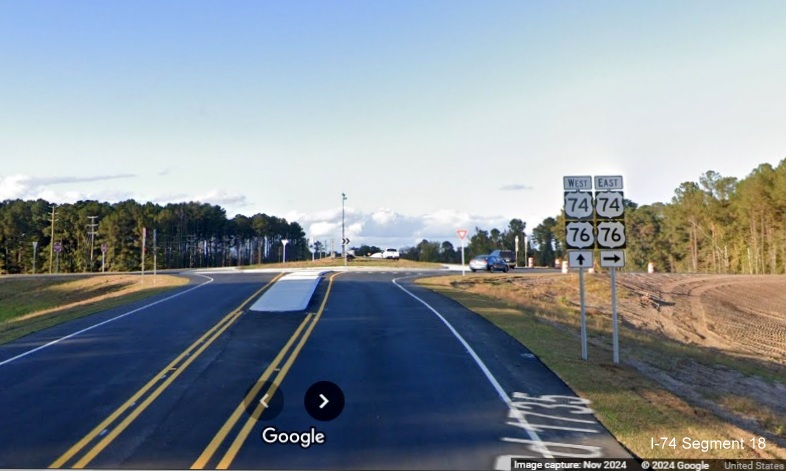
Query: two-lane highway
[[427, 384]]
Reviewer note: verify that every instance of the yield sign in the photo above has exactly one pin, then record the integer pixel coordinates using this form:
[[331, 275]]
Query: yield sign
[[462, 233]]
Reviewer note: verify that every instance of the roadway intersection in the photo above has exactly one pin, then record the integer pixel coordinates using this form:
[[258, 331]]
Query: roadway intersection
[[174, 382]]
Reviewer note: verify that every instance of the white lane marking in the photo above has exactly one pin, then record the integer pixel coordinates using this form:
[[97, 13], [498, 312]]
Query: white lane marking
[[56, 341], [537, 444]]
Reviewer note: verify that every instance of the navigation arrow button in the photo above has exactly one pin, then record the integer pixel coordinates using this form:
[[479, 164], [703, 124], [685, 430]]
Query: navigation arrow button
[[324, 401]]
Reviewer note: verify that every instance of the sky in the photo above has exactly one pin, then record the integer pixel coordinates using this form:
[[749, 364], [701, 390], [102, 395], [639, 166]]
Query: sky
[[431, 116]]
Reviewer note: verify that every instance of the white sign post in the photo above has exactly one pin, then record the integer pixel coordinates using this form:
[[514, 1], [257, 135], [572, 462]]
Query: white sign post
[[462, 233], [284, 242]]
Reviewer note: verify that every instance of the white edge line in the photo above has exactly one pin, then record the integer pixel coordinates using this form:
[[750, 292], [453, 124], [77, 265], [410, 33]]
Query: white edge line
[[53, 342], [539, 447]]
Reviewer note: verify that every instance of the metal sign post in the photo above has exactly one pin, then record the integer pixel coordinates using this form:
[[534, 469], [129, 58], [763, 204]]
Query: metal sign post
[[35, 249], [610, 210], [462, 233], [144, 242], [579, 235], [616, 335], [155, 255], [582, 259], [103, 257], [584, 352]]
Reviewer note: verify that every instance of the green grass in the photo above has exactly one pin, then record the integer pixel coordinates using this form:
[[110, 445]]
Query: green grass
[[32, 304]]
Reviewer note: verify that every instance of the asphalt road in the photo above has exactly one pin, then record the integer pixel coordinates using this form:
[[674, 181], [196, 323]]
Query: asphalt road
[[177, 385]]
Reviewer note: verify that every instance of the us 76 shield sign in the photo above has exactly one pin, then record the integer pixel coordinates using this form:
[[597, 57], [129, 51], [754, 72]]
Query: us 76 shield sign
[[611, 235], [579, 235]]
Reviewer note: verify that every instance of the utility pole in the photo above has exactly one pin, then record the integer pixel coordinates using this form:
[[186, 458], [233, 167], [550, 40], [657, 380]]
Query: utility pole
[[343, 236], [52, 240], [92, 233]]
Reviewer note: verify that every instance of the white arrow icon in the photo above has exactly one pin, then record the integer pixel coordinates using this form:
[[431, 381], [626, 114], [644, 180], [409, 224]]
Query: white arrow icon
[[324, 401], [262, 401]]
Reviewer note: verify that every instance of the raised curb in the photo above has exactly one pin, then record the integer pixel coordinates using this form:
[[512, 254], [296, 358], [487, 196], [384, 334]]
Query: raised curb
[[291, 292]]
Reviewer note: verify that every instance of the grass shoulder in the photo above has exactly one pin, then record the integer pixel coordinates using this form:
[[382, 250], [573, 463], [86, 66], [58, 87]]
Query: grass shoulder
[[633, 404], [31, 304]]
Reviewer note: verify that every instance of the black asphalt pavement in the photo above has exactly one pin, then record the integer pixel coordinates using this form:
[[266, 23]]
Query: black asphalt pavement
[[427, 385]]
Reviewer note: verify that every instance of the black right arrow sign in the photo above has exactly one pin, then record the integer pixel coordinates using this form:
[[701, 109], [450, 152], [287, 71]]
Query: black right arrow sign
[[612, 258]]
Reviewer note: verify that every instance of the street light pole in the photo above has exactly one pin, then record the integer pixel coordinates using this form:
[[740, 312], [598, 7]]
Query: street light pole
[[343, 235], [526, 243]]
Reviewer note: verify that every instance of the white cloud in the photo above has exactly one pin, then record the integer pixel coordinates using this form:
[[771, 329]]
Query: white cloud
[[31, 188], [13, 187], [222, 198], [515, 187], [384, 216], [385, 227]]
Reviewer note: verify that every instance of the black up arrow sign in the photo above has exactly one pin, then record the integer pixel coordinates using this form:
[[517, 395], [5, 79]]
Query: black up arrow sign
[[580, 259]]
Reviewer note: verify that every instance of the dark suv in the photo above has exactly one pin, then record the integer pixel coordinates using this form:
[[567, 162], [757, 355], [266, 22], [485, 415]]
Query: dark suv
[[508, 255]]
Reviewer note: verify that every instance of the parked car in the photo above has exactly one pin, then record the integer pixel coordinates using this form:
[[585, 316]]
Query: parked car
[[497, 263], [479, 263], [508, 255], [391, 253]]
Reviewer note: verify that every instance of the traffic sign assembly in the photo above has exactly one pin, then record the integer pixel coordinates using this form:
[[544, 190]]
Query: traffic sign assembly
[[590, 226]]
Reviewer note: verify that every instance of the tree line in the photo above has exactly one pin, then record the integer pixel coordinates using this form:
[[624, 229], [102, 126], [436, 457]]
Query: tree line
[[71, 238], [714, 225]]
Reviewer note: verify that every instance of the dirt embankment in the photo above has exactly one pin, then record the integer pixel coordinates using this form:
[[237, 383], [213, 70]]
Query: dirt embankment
[[740, 317]]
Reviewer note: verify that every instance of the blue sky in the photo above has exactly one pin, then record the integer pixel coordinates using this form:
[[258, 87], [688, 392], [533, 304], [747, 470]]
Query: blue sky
[[430, 115]]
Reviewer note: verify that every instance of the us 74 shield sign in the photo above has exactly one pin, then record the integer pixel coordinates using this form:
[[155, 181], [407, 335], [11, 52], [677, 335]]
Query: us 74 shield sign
[[609, 204], [578, 204]]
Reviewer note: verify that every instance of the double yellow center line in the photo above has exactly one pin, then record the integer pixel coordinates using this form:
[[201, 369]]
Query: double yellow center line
[[305, 328], [105, 432]]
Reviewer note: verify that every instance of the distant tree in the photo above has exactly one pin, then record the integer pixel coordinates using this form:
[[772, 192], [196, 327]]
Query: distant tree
[[545, 242], [480, 243], [366, 250], [448, 254], [428, 251]]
